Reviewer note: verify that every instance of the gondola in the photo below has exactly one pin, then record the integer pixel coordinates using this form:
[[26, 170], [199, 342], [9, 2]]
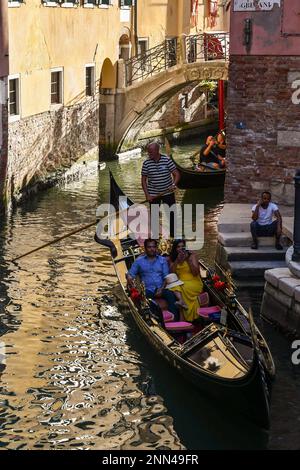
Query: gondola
[[228, 359], [206, 178]]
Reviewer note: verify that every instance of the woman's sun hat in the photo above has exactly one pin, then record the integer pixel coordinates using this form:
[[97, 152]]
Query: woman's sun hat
[[172, 281]]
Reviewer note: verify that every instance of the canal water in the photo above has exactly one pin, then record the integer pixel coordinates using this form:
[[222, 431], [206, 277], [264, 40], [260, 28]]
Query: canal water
[[75, 373]]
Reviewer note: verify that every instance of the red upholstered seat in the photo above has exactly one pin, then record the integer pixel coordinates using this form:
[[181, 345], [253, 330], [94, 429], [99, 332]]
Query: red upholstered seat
[[206, 311], [168, 316], [179, 326]]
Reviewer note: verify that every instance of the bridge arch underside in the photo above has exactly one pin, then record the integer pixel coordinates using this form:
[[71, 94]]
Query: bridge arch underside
[[142, 102], [131, 136]]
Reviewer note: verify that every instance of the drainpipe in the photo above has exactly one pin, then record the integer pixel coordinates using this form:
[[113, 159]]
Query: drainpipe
[[221, 105], [136, 26]]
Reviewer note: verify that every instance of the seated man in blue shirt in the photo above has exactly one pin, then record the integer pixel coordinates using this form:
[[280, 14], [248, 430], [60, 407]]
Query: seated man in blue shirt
[[152, 270]]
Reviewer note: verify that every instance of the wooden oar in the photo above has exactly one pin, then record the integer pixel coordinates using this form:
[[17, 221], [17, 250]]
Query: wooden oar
[[84, 227]]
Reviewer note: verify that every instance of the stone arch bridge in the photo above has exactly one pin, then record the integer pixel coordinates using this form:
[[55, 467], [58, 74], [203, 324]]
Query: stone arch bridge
[[146, 82]]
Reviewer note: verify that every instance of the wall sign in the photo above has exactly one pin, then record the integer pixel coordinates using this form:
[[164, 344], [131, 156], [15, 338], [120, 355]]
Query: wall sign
[[255, 5]]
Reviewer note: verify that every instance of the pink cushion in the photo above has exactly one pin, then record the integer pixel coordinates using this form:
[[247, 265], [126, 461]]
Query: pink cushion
[[206, 311], [179, 326], [204, 299], [168, 316]]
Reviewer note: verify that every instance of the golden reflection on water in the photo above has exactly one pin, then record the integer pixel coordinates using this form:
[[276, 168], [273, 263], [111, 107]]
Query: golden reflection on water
[[71, 380]]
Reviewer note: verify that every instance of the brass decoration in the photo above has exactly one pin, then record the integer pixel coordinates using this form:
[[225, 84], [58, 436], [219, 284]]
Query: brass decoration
[[140, 286], [205, 72], [164, 246], [230, 284]]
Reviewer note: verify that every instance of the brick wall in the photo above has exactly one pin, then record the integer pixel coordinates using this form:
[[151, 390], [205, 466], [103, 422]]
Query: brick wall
[[186, 106], [41, 146], [266, 152]]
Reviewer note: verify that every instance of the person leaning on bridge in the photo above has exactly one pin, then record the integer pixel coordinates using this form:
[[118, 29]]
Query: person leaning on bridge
[[262, 224], [160, 176]]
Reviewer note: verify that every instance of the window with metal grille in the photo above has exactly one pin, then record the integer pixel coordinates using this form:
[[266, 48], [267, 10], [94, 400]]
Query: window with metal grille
[[13, 97], [89, 80], [56, 87]]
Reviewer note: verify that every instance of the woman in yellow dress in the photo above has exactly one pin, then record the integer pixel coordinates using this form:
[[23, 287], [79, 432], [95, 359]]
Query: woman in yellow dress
[[185, 264]]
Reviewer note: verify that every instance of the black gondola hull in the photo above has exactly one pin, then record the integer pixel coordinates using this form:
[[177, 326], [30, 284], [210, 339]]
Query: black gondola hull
[[247, 395], [190, 179]]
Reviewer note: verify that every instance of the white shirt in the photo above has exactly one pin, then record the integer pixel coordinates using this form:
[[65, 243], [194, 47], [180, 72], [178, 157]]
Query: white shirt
[[265, 216]]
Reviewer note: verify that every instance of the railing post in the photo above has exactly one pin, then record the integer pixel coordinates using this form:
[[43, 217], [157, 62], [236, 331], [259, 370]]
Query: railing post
[[182, 49], [296, 254]]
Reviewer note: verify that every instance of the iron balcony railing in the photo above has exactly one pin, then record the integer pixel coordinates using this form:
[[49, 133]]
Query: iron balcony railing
[[193, 48], [153, 61]]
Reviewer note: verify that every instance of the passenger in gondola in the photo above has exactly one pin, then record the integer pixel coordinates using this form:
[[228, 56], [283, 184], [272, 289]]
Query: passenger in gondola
[[209, 156], [185, 264], [153, 270], [221, 148]]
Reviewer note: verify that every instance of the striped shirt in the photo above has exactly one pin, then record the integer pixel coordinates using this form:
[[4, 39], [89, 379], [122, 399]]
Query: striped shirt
[[159, 174]]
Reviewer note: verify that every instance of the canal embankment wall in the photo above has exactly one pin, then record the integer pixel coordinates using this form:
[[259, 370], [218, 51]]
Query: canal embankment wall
[[42, 147]]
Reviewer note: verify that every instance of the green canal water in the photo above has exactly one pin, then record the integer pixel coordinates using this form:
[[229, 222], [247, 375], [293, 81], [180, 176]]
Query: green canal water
[[77, 373]]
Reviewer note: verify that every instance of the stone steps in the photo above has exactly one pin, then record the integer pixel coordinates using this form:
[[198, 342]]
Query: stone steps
[[227, 227], [235, 239], [264, 253], [253, 269]]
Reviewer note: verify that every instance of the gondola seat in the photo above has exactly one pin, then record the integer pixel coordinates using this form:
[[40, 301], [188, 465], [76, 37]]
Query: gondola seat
[[179, 326], [207, 312], [168, 316]]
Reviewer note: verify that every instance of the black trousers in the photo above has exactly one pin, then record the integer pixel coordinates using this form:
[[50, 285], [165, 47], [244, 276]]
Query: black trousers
[[263, 230], [169, 200]]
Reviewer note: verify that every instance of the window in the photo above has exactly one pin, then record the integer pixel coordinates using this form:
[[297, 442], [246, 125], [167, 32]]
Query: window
[[171, 49], [14, 95], [68, 3], [56, 86], [90, 3], [126, 3], [15, 3], [50, 3], [105, 2], [142, 45], [142, 49], [192, 49], [89, 80]]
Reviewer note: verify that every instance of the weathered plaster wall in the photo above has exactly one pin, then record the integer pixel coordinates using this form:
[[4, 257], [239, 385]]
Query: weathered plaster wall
[[270, 29]]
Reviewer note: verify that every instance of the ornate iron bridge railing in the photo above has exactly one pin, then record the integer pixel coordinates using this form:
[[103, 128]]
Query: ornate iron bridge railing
[[207, 46], [194, 48]]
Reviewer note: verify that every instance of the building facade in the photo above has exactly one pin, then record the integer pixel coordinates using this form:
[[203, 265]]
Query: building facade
[[263, 125]]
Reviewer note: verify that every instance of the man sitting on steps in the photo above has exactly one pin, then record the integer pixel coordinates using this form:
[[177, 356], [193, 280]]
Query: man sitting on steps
[[262, 224]]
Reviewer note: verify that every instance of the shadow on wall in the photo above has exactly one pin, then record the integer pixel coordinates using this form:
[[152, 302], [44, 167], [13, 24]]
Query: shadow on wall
[[177, 21]]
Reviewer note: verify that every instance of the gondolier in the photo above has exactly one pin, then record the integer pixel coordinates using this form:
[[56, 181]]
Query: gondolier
[[159, 174]]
